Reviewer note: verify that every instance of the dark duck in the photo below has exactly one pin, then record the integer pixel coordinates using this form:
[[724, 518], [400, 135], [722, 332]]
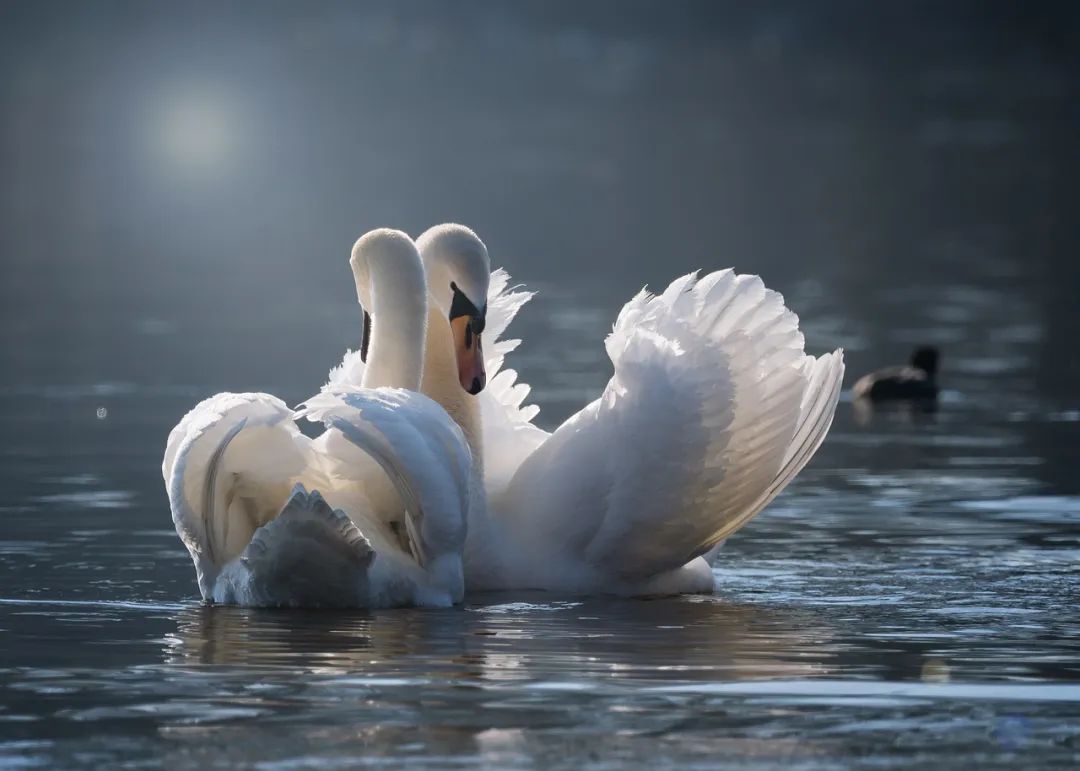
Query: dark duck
[[916, 381]]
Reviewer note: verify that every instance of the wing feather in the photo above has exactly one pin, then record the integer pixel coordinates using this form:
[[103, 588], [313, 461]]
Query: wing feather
[[509, 435], [229, 467], [420, 448], [713, 408]]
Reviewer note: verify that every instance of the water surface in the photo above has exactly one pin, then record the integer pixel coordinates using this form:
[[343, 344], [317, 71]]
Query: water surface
[[913, 595]]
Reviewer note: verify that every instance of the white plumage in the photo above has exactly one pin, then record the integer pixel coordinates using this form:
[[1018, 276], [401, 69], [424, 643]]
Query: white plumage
[[238, 472], [713, 408], [506, 419]]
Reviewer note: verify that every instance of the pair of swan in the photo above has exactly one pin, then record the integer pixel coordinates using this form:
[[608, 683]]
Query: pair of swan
[[272, 517], [712, 409]]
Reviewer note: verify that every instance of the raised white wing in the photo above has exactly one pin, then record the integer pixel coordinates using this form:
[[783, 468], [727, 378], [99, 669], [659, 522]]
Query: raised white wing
[[230, 465], [509, 435], [712, 409]]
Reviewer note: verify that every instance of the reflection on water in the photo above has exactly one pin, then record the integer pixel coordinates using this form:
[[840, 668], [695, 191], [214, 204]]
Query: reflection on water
[[918, 412], [912, 594], [540, 680], [537, 639]]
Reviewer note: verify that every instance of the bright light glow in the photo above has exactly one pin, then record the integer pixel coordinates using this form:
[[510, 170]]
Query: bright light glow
[[197, 132]]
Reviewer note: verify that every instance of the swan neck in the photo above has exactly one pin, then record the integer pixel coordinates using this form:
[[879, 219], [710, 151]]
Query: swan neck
[[441, 383], [398, 324]]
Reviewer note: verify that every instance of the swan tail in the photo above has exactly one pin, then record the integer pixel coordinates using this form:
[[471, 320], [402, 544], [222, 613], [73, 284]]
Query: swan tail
[[422, 452], [309, 555], [713, 408], [229, 466]]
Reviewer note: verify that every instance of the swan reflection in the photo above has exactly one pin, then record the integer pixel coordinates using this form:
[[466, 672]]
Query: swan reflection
[[496, 640]]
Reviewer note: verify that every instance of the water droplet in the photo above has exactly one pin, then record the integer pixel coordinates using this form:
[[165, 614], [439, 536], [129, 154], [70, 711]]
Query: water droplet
[[102, 413]]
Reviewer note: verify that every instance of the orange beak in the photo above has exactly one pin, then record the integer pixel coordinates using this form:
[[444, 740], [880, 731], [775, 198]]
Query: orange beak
[[470, 355]]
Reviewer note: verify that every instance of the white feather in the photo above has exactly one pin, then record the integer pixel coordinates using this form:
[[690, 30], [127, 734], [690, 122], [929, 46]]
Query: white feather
[[237, 470], [509, 435], [712, 410]]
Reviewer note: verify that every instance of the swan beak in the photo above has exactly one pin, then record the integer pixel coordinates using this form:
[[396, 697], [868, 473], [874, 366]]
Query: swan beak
[[469, 353]]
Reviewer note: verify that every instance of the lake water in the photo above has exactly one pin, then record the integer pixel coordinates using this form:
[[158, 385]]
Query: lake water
[[910, 600], [912, 597]]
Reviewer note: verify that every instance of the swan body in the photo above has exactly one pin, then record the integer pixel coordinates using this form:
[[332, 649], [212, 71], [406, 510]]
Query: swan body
[[272, 517], [712, 409]]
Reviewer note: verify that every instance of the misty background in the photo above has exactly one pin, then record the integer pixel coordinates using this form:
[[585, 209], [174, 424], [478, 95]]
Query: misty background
[[182, 182]]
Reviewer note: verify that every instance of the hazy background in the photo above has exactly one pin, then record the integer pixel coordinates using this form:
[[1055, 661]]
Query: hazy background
[[181, 182]]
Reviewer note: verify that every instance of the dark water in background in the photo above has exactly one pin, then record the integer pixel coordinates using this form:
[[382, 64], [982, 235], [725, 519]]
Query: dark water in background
[[903, 173]]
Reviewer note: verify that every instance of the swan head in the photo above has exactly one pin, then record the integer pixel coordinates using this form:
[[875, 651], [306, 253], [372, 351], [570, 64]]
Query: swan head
[[386, 262], [458, 271]]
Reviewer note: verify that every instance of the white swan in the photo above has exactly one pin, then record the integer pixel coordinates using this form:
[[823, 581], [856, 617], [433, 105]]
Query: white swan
[[713, 408], [238, 470]]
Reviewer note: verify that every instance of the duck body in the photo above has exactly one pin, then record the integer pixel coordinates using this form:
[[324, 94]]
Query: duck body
[[912, 382], [900, 383]]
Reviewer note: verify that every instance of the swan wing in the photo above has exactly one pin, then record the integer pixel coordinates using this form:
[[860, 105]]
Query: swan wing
[[509, 435], [229, 467], [713, 408], [420, 449], [348, 374]]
